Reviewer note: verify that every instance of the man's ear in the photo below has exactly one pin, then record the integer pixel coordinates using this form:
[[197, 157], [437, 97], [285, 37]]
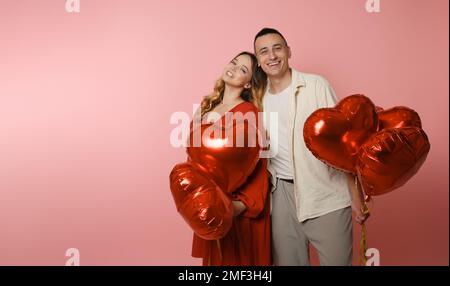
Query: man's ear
[[289, 52]]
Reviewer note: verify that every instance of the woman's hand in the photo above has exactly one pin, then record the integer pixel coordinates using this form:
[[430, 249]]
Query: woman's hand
[[238, 208]]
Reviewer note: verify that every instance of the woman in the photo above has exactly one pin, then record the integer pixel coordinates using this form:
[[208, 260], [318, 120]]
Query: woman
[[239, 89]]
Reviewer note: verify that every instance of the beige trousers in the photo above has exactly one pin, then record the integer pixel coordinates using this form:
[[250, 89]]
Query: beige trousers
[[330, 234]]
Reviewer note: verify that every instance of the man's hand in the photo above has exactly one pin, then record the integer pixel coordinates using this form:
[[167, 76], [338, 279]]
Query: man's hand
[[360, 209], [359, 206]]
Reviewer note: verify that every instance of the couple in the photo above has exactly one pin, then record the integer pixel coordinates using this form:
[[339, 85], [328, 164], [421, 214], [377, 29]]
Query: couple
[[309, 202]]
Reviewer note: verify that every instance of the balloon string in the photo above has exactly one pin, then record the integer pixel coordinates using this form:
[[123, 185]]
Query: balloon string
[[220, 250], [209, 254], [363, 241], [363, 246]]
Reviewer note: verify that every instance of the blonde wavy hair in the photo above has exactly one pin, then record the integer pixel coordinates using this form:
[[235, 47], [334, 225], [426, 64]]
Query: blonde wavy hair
[[253, 94]]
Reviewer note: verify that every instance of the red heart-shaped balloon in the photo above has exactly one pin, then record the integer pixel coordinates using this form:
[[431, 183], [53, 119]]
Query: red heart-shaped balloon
[[228, 152], [334, 135], [202, 204], [398, 117], [390, 158]]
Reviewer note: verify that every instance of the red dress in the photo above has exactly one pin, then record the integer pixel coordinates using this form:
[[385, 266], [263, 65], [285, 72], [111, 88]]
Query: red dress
[[248, 241]]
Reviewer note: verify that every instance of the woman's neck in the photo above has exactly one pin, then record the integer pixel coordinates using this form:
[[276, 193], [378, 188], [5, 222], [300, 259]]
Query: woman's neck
[[231, 95]]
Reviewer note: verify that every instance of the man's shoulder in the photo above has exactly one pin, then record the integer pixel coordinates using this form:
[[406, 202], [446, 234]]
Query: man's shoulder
[[310, 78]]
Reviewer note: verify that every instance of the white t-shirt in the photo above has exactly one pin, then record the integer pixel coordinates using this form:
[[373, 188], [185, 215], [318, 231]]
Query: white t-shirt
[[280, 147], [318, 188]]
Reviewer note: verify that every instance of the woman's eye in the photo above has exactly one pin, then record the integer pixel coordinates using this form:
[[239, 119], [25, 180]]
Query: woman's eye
[[243, 70]]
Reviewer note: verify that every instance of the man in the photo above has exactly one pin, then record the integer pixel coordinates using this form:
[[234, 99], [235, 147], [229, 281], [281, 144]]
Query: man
[[311, 202]]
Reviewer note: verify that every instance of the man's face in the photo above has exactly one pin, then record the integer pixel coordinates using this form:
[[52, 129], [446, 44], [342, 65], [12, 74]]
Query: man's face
[[273, 55]]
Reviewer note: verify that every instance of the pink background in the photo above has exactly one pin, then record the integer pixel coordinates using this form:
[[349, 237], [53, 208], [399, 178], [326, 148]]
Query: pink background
[[85, 103]]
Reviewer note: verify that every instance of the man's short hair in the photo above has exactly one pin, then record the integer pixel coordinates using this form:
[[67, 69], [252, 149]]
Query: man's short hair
[[265, 31]]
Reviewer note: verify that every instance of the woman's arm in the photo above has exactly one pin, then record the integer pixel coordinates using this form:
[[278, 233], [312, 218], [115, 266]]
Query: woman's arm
[[238, 208], [251, 198]]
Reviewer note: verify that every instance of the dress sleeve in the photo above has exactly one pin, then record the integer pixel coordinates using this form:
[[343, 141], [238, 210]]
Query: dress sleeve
[[254, 192]]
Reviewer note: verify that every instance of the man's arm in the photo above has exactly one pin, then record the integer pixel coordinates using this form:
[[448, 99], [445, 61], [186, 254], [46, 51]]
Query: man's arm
[[326, 94], [329, 99]]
